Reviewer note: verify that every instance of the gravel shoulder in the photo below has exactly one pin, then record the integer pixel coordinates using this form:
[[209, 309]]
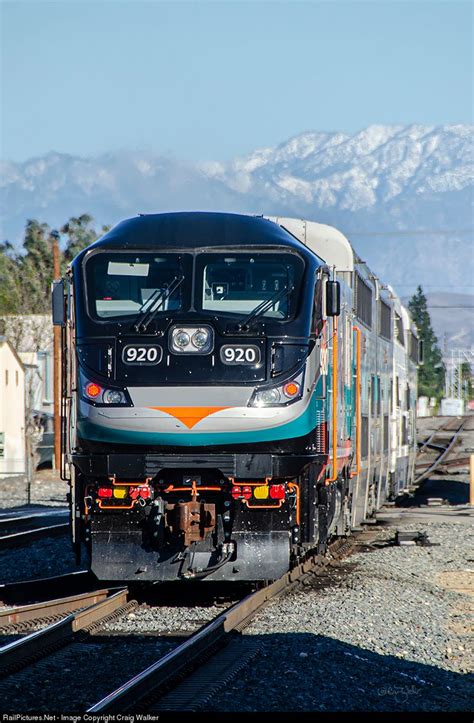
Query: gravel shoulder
[[389, 634]]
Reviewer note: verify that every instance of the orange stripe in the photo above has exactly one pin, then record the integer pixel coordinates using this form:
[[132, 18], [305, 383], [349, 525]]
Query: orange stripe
[[189, 416]]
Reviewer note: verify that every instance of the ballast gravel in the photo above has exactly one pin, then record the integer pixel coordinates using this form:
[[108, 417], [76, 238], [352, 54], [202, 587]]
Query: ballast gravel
[[387, 636], [163, 620], [41, 558], [73, 679]]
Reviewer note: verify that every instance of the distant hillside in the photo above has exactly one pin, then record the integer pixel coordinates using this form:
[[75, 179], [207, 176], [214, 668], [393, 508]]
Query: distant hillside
[[382, 180]]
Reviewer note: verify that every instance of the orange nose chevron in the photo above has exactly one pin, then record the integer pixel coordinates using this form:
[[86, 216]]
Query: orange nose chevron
[[189, 416]]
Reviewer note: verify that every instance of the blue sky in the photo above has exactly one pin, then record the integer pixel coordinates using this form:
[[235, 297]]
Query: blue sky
[[210, 80]]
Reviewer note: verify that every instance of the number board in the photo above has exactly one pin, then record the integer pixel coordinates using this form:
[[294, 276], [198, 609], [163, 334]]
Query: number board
[[234, 354], [142, 354]]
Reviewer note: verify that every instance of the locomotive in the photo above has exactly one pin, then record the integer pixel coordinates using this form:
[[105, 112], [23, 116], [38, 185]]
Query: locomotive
[[235, 391]]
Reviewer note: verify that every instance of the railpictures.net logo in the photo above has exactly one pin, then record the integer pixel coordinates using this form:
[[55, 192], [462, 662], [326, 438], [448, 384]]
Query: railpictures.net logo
[[399, 692], [88, 718]]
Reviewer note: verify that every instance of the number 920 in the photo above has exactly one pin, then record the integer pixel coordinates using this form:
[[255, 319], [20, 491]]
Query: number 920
[[142, 354], [248, 354]]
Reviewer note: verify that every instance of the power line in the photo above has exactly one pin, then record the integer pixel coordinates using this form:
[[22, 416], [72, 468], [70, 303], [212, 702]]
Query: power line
[[417, 232], [429, 306]]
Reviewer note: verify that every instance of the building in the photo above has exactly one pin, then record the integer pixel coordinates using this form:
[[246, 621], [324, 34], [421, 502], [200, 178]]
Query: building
[[32, 337], [12, 411]]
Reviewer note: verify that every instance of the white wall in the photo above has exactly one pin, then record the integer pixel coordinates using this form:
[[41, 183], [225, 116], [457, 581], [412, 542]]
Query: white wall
[[12, 412]]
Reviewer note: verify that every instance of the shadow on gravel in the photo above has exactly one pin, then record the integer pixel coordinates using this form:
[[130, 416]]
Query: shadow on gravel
[[453, 491], [306, 672]]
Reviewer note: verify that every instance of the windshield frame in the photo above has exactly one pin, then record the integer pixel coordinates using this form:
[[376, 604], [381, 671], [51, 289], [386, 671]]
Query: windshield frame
[[205, 254], [192, 266], [185, 264]]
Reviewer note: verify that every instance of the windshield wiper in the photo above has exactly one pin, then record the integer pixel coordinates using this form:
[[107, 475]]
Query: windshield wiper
[[156, 303], [263, 307]]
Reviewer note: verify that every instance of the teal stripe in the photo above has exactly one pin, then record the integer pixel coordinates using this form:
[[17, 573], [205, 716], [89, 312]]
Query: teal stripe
[[296, 428]]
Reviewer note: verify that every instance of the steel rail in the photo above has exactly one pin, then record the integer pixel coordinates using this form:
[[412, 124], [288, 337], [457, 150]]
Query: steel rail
[[46, 588], [40, 643], [48, 608], [445, 453], [22, 521], [452, 425], [19, 539], [165, 672]]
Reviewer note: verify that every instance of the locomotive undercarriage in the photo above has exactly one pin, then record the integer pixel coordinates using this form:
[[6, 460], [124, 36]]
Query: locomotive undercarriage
[[183, 524]]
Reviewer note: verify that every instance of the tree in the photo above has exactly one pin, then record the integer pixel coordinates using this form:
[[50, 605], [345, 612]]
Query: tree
[[431, 373], [25, 277], [79, 233], [467, 381], [36, 269], [9, 279]]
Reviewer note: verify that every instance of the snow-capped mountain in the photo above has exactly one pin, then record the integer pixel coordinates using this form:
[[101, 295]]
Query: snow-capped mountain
[[378, 186]]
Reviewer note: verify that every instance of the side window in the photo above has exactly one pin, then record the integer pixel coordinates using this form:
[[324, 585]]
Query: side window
[[348, 352], [364, 434], [318, 307]]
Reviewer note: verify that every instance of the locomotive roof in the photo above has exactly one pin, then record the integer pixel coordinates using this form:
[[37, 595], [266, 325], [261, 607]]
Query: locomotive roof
[[195, 230]]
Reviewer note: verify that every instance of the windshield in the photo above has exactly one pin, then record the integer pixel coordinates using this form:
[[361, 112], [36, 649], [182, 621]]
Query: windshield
[[140, 286], [240, 283], [128, 284]]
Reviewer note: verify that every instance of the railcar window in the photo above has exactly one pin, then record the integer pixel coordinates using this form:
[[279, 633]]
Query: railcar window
[[399, 329], [123, 285], [404, 430], [413, 348], [363, 301], [239, 283], [373, 395], [364, 434], [385, 432], [385, 324]]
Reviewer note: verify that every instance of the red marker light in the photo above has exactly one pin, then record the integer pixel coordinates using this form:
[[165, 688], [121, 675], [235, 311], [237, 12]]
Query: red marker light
[[246, 492], [104, 491], [145, 493], [277, 492], [236, 492], [93, 390]]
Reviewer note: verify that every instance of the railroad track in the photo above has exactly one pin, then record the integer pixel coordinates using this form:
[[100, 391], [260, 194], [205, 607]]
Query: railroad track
[[18, 530], [209, 649], [87, 636], [443, 448], [47, 588], [86, 611]]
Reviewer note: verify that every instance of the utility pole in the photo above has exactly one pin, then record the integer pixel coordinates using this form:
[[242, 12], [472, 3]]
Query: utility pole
[[57, 361]]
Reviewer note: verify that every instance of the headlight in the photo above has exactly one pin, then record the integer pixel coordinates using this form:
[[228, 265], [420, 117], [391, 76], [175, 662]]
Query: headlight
[[200, 338], [268, 396], [279, 396], [113, 396], [191, 340], [96, 394], [181, 339]]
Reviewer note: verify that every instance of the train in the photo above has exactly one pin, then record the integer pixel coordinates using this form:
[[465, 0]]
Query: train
[[236, 391]]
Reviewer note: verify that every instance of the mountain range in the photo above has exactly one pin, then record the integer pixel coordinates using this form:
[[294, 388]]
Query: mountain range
[[403, 194]]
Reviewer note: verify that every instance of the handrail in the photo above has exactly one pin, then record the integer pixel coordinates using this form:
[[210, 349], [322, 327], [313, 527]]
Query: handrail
[[358, 406], [335, 380]]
